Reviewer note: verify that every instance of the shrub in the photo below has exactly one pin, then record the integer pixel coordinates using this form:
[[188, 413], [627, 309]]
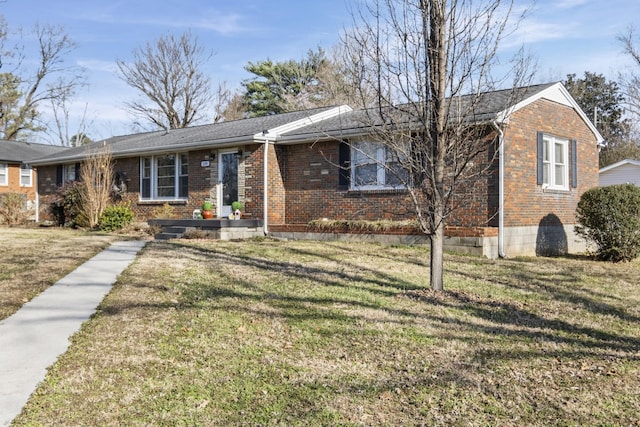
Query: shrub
[[12, 208], [609, 217], [165, 211], [66, 206], [115, 217]]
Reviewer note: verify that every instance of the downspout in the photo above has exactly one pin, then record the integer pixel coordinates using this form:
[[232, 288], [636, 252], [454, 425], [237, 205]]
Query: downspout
[[265, 196], [501, 252], [34, 174]]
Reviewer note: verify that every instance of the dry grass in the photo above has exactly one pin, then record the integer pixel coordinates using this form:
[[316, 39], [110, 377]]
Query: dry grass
[[32, 259], [306, 333]]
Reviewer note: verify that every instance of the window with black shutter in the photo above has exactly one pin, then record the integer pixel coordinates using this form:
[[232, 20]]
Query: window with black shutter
[[557, 165]]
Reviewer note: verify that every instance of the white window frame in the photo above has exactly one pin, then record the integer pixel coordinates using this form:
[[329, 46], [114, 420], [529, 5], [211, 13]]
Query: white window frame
[[178, 174], [4, 174], [380, 158], [26, 174], [555, 167]]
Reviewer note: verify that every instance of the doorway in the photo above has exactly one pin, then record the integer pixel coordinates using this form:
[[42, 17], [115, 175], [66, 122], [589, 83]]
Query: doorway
[[227, 181]]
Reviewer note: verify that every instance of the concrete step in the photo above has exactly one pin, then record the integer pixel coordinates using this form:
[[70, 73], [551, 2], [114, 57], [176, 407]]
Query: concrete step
[[174, 229], [167, 236]]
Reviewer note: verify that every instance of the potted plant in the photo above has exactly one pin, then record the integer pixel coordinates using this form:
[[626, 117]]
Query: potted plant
[[207, 210], [236, 208]]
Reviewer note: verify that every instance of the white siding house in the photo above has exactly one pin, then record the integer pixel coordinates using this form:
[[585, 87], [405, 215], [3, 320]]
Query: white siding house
[[624, 172]]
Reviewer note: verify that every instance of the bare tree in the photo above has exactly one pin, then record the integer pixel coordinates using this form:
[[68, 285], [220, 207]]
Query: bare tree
[[62, 124], [630, 80], [168, 74], [235, 108], [97, 177], [228, 105], [24, 92], [427, 64], [334, 83]]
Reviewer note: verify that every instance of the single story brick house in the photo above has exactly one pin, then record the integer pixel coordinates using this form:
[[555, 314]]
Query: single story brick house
[[625, 171], [548, 156], [16, 175]]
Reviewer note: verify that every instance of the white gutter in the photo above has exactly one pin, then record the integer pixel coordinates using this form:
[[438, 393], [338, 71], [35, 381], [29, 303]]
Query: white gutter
[[265, 196], [501, 252], [37, 197]]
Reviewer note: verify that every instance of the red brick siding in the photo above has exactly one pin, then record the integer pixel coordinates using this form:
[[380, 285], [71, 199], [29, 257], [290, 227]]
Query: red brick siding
[[46, 189], [526, 203], [199, 185], [254, 187], [313, 192], [13, 182], [312, 189]]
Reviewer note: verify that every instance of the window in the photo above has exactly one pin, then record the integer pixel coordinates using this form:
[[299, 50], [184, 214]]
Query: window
[[375, 166], [554, 168], [25, 176], [4, 174], [164, 177], [67, 173]]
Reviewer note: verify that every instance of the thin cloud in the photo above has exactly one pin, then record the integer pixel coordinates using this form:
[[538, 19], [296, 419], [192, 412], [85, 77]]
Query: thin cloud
[[569, 4], [98, 65], [536, 31], [222, 23]]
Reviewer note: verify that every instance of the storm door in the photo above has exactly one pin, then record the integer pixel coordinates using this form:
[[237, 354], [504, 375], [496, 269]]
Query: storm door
[[227, 181]]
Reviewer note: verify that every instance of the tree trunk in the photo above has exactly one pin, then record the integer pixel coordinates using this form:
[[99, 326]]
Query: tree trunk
[[437, 254]]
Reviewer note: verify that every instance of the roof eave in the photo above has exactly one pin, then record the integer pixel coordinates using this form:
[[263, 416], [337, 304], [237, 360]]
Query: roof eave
[[545, 93], [222, 143], [620, 163]]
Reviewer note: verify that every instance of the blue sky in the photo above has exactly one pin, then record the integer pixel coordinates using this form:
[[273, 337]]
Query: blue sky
[[565, 36]]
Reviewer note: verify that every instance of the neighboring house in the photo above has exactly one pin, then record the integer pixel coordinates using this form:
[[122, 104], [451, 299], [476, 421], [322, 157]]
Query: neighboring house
[[624, 172], [549, 158], [16, 173]]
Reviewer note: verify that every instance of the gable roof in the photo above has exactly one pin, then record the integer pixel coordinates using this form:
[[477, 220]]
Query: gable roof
[[492, 106], [318, 123], [555, 92], [218, 135], [624, 162], [22, 152]]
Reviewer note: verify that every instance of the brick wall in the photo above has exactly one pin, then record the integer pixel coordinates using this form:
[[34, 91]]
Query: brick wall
[[13, 184], [526, 203], [313, 192], [46, 188], [199, 185], [129, 168], [254, 178]]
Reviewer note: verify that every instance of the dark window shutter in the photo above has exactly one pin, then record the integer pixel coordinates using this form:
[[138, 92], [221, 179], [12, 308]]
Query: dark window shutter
[[59, 175], [344, 160], [146, 188], [574, 163], [77, 166], [183, 191], [540, 158]]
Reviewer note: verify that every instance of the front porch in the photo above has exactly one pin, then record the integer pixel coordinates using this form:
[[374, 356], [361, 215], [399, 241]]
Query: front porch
[[217, 228]]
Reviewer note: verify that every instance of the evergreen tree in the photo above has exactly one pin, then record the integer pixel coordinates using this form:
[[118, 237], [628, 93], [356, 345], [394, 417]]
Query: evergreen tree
[[603, 102]]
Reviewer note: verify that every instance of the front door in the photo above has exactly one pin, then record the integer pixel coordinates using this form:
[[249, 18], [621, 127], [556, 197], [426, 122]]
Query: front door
[[227, 181]]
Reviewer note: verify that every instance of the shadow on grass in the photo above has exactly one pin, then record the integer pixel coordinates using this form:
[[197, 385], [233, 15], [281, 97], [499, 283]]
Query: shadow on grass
[[561, 284], [483, 318], [511, 319]]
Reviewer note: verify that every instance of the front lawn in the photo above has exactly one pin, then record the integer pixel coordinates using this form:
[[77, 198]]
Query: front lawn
[[307, 333], [32, 259]]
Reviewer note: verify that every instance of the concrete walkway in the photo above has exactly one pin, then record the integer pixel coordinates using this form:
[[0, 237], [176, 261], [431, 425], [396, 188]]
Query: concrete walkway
[[32, 339]]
